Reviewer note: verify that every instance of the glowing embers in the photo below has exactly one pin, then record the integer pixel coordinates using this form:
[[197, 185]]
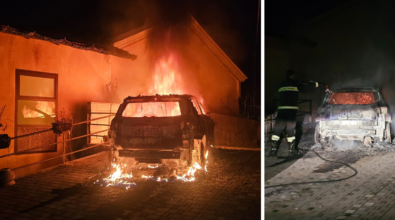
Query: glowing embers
[[152, 109], [157, 179], [352, 98], [118, 178], [38, 109]]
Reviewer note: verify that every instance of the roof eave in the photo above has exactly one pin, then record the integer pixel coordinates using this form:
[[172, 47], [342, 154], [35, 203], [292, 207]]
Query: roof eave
[[203, 36]]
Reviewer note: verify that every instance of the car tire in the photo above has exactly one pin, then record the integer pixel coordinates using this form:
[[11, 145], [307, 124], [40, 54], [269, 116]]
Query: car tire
[[388, 132]]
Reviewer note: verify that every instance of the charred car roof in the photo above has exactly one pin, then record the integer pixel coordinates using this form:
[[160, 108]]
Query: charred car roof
[[155, 97]]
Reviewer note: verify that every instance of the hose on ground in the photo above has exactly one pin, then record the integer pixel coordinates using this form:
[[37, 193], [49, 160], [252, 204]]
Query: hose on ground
[[323, 181]]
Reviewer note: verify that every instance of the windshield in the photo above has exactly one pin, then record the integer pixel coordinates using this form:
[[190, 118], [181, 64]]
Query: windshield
[[152, 109], [352, 98]]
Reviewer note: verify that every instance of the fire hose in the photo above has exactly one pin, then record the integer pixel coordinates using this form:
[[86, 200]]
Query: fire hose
[[322, 181]]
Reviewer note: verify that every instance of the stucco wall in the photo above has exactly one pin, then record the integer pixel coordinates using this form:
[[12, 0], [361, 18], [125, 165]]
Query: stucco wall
[[82, 76], [276, 63]]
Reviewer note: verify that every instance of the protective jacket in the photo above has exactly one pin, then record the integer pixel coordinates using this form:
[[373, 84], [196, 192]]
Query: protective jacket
[[289, 93]]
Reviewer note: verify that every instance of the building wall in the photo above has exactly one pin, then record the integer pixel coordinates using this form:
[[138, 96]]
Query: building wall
[[235, 132], [277, 61], [198, 72], [82, 76]]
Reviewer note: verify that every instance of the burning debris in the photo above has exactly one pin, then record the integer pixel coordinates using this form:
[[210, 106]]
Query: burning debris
[[121, 178], [118, 178]]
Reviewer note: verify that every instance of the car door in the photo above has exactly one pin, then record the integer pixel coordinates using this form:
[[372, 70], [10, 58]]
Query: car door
[[206, 120]]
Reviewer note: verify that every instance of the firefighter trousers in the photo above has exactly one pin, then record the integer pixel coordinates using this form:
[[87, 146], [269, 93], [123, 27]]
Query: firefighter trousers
[[286, 119]]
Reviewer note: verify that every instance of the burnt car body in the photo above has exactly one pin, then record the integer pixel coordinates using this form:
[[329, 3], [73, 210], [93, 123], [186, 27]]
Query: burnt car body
[[161, 129], [358, 114]]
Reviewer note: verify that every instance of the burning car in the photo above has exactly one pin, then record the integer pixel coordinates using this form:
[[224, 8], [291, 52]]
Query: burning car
[[358, 114], [163, 129]]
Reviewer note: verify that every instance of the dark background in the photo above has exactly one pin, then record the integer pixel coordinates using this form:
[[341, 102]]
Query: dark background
[[232, 25], [347, 43]]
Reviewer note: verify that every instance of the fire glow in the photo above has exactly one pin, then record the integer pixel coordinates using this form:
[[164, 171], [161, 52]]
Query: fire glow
[[45, 107], [119, 177], [166, 77], [352, 98], [166, 81]]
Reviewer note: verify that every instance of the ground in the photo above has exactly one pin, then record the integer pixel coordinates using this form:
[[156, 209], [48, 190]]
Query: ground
[[370, 194], [231, 190]]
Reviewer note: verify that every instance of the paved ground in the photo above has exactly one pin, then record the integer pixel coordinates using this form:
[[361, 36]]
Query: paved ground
[[368, 195], [231, 190]]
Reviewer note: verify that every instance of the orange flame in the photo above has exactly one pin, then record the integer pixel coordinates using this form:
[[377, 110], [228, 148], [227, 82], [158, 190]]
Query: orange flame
[[119, 177], [166, 77]]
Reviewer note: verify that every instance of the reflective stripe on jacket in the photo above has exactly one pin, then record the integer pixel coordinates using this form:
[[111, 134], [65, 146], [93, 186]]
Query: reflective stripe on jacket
[[288, 107], [282, 89], [289, 93]]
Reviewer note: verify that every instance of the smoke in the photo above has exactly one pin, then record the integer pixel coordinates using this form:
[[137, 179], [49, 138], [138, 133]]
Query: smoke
[[171, 39], [346, 144], [377, 71]]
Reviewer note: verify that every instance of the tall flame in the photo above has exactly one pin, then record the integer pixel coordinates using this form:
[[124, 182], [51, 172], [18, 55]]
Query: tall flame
[[166, 79]]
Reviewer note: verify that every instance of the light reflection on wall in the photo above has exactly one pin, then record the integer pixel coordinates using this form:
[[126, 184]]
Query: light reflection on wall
[[37, 86]]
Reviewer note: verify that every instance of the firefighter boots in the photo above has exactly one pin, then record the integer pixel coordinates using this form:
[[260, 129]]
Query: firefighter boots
[[292, 150], [275, 143]]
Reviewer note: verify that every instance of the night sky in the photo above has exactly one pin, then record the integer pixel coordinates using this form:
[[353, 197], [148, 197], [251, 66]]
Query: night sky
[[232, 24], [281, 15]]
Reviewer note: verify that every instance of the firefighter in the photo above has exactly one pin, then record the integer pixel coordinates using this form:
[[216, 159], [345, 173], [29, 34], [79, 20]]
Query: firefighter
[[286, 113]]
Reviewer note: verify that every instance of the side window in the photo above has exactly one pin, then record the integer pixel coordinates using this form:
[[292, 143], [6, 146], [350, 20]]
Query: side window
[[36, 107]]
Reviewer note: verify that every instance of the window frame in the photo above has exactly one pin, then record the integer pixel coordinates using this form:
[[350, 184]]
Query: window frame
[[18, 97]]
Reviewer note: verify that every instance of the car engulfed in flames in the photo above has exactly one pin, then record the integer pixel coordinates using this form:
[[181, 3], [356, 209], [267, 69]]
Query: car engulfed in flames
[[169, 130], [358, 114]]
